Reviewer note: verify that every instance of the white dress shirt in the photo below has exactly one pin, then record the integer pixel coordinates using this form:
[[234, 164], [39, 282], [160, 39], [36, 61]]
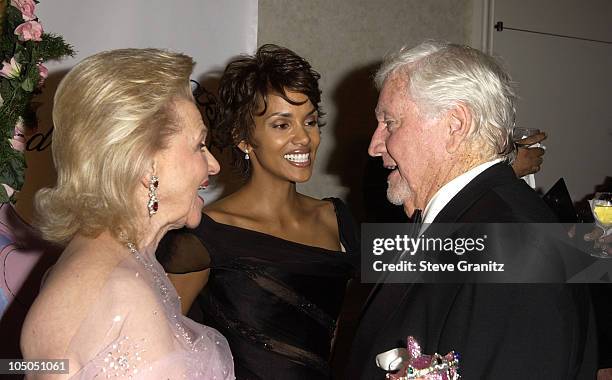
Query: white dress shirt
[[452, 188]]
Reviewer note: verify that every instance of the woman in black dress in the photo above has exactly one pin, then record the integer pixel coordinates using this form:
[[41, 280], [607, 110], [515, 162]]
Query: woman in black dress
[[268, 266]]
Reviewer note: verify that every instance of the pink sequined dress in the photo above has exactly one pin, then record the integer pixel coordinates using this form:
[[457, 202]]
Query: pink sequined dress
[[136, 331]]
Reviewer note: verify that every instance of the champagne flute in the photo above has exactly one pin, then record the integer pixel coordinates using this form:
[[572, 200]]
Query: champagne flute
[[601, 206]]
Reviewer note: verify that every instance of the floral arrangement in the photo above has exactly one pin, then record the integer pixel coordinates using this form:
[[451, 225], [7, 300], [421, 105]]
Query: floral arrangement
[[411, 364], [24, 46]]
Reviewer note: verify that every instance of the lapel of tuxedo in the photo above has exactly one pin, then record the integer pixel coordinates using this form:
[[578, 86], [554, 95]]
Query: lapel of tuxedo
[[414, 229], [497, 175]]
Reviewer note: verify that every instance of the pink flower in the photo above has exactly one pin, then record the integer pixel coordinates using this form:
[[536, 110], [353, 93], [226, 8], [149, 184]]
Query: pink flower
[[18, 141], [43, 73], [29, 31], [9, 190], [10, 70], [26, 7]]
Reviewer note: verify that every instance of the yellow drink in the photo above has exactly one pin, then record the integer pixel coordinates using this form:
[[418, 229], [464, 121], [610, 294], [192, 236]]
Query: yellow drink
[[603, 213]]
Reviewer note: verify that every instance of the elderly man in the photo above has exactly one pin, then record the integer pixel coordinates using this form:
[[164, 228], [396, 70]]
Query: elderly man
[[445, 114]]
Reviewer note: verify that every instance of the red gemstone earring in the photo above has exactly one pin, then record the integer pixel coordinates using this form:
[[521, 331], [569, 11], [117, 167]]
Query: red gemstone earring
[[153, 204]]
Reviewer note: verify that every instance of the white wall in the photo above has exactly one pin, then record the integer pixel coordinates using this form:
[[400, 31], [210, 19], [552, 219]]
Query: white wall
[[210, 31], [565, 85]]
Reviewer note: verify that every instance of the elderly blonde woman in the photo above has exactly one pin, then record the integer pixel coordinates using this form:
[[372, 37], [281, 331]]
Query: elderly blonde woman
[[130, 155]]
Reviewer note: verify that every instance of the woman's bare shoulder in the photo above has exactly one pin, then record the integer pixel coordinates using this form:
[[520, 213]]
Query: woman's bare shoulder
[[228, 210], [323, 210]]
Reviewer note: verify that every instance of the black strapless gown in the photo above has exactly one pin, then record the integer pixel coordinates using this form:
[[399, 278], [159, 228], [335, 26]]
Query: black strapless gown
[[276, 301]]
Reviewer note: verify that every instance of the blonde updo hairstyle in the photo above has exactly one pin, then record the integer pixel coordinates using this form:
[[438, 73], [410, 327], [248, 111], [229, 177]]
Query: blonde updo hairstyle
[[112, 112]]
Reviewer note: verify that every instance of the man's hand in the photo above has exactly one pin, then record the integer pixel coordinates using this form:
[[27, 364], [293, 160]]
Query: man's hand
[[529, 160], [602, 243]]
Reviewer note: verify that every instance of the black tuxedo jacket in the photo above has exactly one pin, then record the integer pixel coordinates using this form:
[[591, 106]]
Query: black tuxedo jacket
[[501, 331]]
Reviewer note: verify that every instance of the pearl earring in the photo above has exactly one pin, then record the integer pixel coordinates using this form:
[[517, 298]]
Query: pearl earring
[[246, 154]]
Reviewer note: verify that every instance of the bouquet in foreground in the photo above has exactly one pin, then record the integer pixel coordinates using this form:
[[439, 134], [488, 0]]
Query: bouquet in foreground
[[24, 47]]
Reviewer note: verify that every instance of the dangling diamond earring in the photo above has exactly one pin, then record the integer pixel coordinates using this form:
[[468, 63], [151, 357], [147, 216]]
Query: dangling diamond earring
[[246, 154], [153, 204]]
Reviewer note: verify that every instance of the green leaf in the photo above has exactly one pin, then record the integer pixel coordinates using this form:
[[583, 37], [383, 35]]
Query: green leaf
[[4, 198], [13, 17], [14, 83], [12, 172], [19, 54], [5, 88], [27, 85], [53, 47]]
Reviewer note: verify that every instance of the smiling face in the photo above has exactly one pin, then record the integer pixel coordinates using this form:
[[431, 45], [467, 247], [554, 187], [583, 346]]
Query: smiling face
[[285, 138], [407, 142], [183, 167]]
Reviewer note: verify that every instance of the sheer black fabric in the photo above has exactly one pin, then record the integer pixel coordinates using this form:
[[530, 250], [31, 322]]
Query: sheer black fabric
[[276, 301]]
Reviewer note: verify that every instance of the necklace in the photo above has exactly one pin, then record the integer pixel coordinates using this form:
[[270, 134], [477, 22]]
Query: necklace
[[161, 284], [134, 251]]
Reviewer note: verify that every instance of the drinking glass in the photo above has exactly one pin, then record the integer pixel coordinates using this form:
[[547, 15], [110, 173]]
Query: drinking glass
[[601, 206], [519, 133]]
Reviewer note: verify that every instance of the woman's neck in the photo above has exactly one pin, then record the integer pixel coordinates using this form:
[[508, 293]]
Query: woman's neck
[[105, 242], [276, 199], [151, 235]]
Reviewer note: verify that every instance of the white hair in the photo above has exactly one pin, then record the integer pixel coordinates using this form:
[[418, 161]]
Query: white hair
[[440, 75]]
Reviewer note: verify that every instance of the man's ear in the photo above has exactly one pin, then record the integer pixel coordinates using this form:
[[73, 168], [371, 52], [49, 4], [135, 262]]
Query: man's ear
[[458, 126]]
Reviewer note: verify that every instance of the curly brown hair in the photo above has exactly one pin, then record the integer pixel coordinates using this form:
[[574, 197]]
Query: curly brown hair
[[244, 88]]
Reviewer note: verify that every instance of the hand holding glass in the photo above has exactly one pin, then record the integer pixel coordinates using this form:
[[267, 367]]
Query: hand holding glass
[[601, 205], [519, 134]]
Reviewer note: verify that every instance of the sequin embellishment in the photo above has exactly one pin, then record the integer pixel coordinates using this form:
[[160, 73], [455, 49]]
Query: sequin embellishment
[[161, 283], [122, 359]]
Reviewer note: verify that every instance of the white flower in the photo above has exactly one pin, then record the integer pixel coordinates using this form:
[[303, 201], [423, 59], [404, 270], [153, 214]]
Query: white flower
[[11, 69]]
